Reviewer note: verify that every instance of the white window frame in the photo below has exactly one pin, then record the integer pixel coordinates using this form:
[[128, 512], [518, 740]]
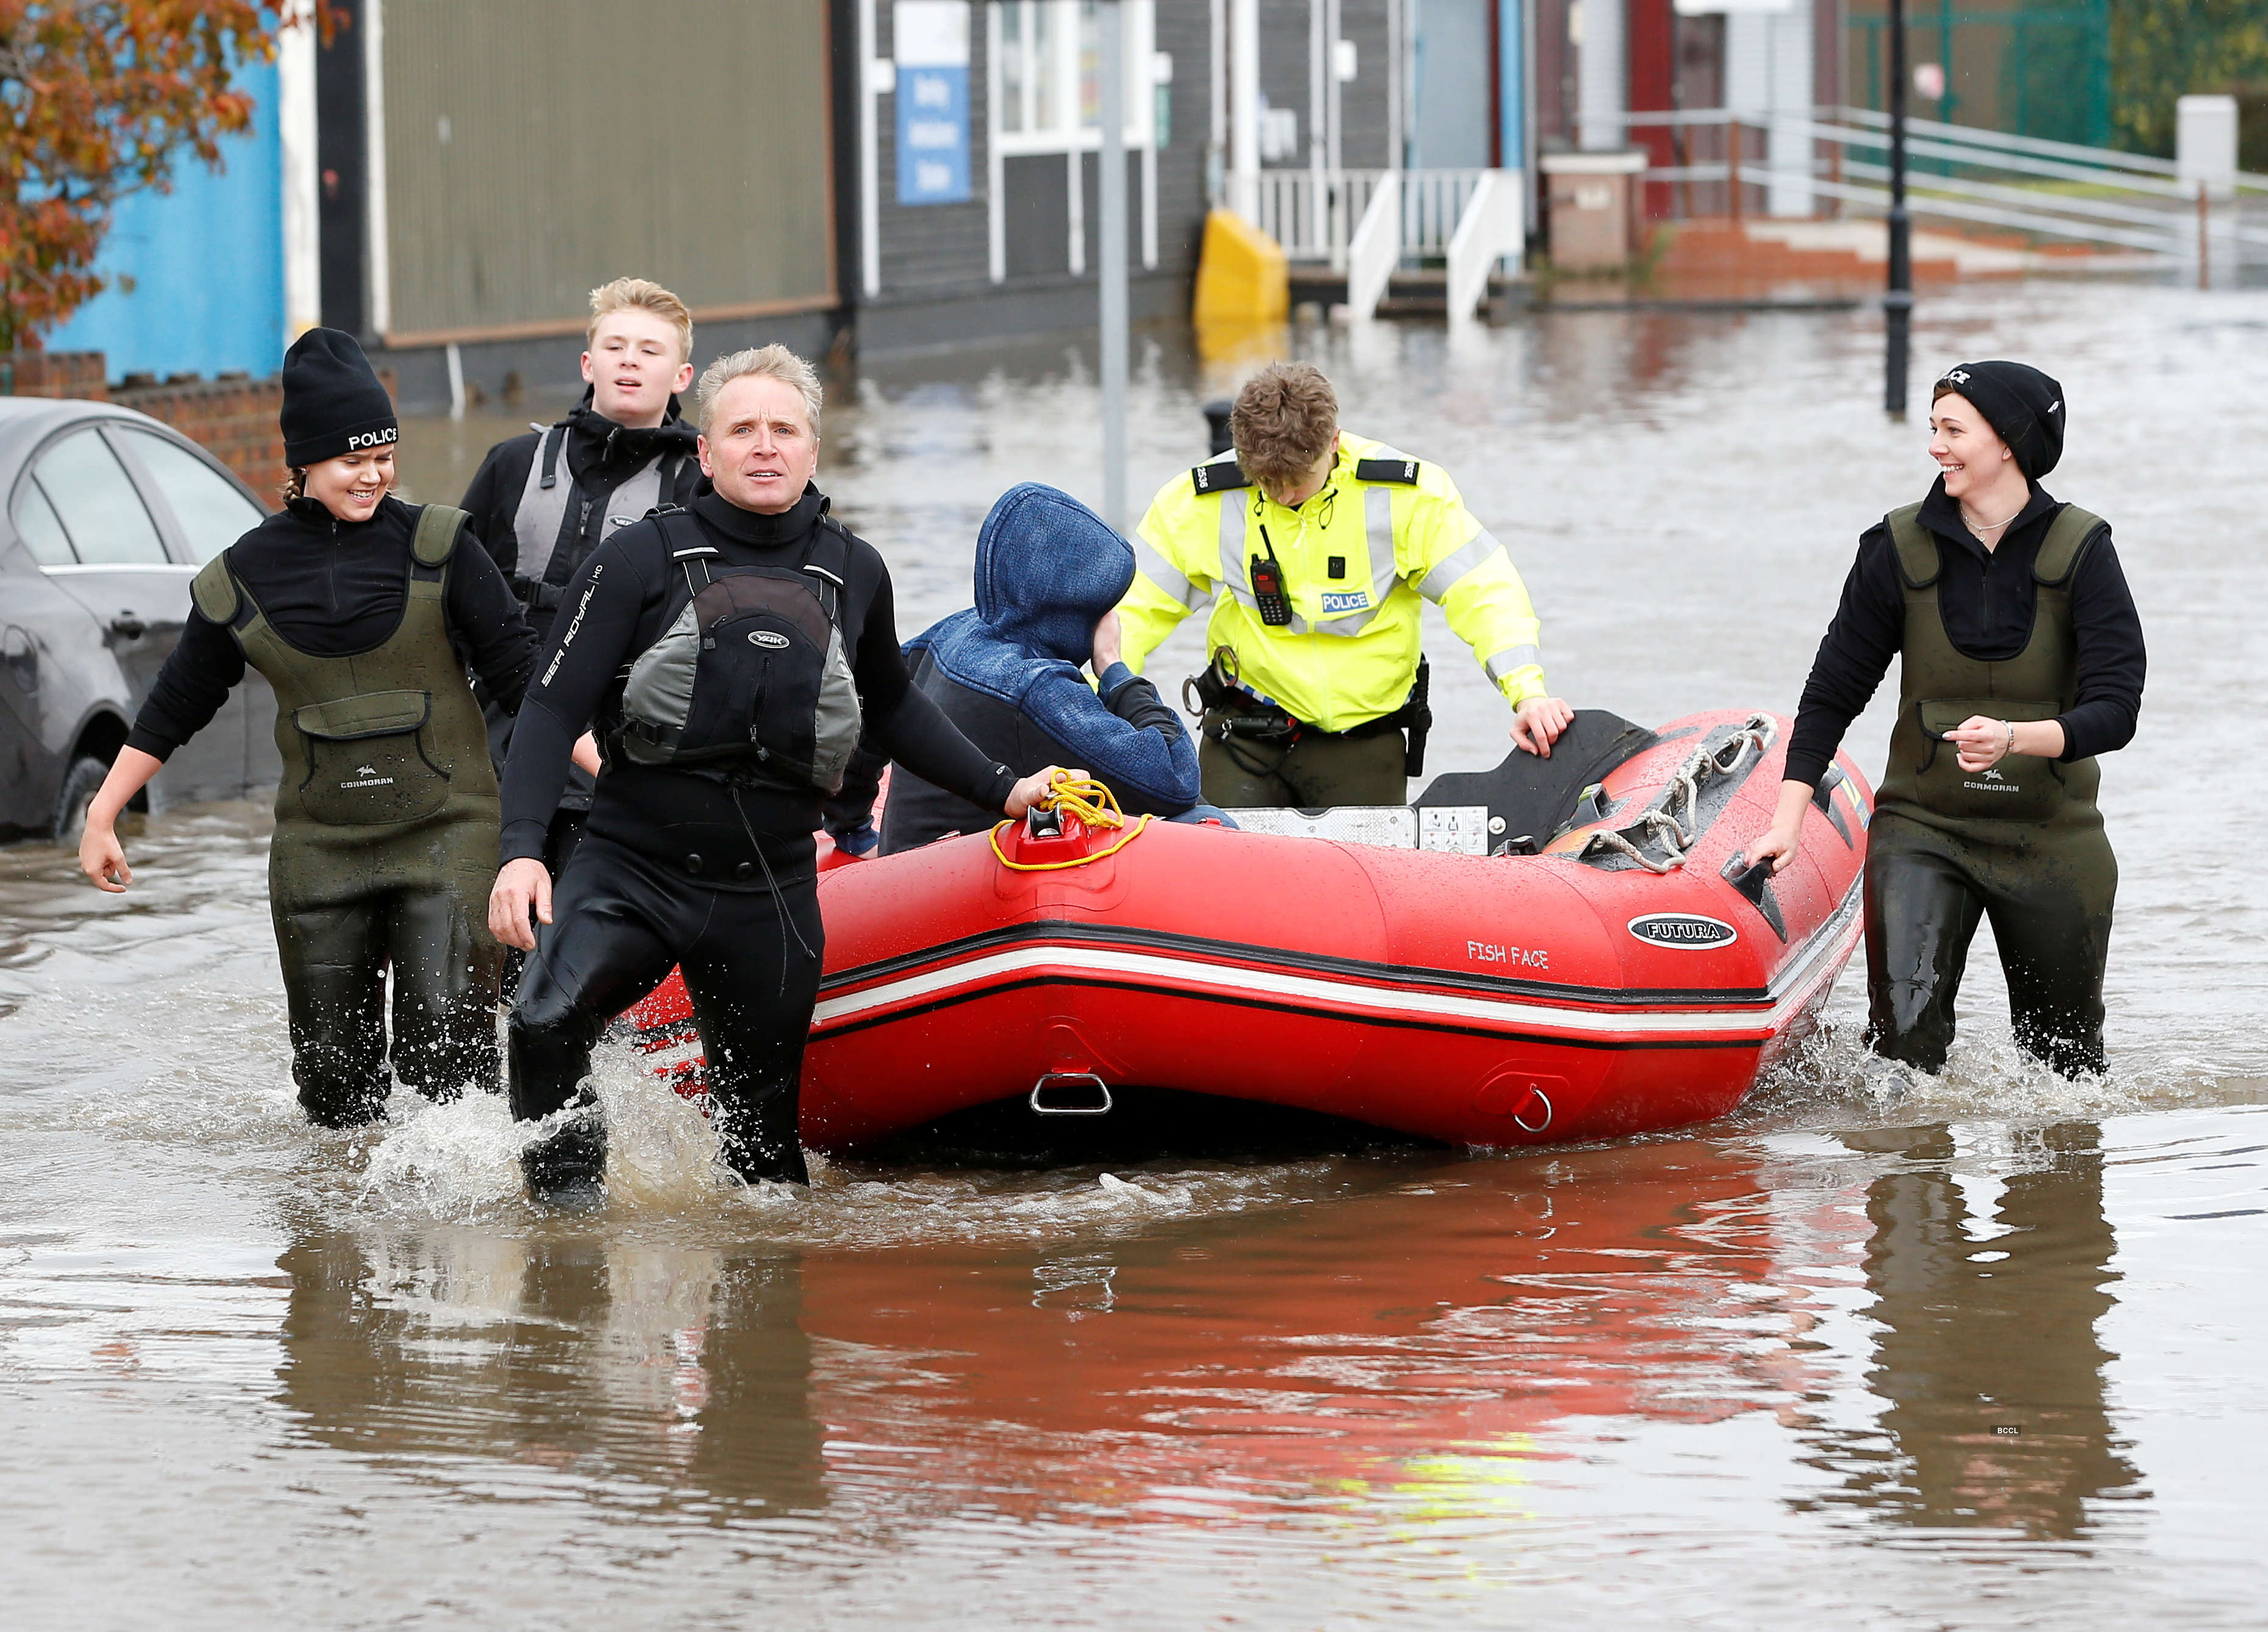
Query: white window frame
[[1071, 132], [1070, 135]]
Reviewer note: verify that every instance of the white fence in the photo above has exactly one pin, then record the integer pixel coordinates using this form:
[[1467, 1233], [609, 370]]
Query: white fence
[[1368, 223], [2024, 184]]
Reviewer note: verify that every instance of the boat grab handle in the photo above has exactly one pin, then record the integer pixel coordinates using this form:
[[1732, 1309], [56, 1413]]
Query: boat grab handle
[[1041, 1108]]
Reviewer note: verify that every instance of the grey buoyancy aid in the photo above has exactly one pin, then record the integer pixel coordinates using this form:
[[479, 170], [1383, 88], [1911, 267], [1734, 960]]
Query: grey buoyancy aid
[[378, 739], [1939, 687], [552, 529], [752, 679]]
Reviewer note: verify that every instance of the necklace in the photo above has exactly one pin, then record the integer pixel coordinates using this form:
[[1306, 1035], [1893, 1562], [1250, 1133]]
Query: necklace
[[1997, 525]]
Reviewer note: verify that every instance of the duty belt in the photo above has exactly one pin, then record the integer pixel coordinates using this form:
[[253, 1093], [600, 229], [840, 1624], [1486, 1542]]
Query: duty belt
[[1232, 710]]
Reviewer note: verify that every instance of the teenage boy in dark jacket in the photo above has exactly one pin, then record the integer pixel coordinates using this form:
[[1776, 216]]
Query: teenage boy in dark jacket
[[543, 500]]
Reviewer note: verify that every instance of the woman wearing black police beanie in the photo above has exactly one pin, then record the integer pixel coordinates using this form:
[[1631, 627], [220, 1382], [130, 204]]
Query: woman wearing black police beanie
[[2021, 659], [362, 612]]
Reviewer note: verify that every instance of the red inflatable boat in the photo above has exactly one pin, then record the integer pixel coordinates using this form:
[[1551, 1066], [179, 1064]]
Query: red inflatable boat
[[1557, 950]]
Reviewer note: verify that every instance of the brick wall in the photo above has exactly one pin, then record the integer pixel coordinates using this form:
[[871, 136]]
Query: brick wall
[[52, 374], [234, 418]]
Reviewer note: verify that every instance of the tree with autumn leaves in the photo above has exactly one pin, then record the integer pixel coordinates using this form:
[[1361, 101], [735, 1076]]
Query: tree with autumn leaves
[[103, 98]]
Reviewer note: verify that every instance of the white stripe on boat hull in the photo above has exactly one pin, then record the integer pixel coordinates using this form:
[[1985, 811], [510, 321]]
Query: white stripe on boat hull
[[1791, 990]]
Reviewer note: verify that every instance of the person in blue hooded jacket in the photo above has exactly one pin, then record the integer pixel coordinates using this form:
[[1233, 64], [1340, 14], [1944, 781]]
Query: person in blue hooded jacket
[[1049, 572]]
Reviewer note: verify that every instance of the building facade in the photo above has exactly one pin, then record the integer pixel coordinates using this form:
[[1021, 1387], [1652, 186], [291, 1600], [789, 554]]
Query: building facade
[[448, 181]]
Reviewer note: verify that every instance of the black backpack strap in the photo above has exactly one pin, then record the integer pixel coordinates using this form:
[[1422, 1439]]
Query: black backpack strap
[[833, 572], [687, 550], [552, 440], [1918, 559]]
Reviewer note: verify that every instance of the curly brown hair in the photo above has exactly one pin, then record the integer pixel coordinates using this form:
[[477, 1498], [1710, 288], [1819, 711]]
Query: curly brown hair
[[1285, 418]]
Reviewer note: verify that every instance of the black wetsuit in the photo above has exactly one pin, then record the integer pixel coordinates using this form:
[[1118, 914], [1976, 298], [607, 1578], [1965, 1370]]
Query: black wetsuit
[[1934, 872], [688, 868]]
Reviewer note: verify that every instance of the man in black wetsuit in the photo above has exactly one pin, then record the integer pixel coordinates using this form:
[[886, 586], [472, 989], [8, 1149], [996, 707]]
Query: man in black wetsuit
[[719, 648]]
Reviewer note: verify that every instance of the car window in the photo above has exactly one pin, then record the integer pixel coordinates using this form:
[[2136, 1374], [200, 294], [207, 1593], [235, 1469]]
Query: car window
[[109, 524], [213, 512], [42, 534]]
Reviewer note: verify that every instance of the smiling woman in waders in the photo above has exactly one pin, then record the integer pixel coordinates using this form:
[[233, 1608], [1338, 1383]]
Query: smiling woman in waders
[[2020, 660], [362, 613]]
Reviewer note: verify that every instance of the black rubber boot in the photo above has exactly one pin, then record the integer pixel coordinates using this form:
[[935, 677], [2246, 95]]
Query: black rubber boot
[[758, 1139], [335, 1107], [566, 1169]]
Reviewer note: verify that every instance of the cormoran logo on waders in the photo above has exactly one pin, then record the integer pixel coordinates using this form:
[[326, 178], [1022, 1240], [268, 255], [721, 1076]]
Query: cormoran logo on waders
[[1687, 931]]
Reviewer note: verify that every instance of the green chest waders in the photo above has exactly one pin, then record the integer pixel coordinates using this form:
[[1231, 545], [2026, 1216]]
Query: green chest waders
[[2022, 842], [386, 834], [1939, 687]]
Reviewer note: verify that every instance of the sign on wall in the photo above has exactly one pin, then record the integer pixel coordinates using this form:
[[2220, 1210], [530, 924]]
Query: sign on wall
[[931, 43]]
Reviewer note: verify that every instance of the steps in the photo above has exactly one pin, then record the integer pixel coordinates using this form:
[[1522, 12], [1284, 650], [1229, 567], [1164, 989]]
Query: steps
[[1421, 292]]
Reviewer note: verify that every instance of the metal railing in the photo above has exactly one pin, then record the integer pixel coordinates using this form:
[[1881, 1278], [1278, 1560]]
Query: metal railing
[[1367, 223], [1491, 226], [2021, 184], [1377, 246], [1313, 213]]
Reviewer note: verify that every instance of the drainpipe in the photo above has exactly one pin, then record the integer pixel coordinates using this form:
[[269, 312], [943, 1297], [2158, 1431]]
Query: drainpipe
[[870, 207], [295, 86], [1603, 86], [1244, 108]]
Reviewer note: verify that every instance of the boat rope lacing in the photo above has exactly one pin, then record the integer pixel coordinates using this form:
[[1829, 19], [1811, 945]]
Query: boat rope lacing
[[1676, 836], [1094, 805]]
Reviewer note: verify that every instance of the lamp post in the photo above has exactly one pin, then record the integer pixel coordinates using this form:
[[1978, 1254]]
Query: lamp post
[[1111, 24], [1897, 300]]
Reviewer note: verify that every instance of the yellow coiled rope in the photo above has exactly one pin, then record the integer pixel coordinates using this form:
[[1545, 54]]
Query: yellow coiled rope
[[1094, 805]]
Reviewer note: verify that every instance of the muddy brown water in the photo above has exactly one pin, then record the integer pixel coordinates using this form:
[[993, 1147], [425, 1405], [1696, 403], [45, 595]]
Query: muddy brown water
[[1986, 1355]]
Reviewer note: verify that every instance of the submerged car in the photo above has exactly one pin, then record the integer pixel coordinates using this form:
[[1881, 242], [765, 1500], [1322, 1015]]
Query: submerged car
[[109, 515]]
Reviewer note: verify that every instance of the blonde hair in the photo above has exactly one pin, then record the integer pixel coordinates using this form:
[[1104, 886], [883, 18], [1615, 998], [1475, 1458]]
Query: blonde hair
[[1285, 418], [637, 294], [773, 362]]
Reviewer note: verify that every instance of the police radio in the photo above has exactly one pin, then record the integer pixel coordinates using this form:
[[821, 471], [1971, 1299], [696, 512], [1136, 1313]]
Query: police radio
[[1268, 585]]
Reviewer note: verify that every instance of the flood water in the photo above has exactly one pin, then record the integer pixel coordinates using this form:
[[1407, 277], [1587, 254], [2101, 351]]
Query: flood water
[[1988, 1356]]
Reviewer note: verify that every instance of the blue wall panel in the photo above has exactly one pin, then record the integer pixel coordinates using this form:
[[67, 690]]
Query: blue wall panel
[[207, 261]]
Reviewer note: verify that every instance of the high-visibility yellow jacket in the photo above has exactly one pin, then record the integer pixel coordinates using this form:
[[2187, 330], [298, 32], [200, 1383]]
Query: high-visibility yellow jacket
[[1384, 530]]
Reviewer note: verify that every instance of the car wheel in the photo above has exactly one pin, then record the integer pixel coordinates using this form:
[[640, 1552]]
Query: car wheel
[[80, 785]]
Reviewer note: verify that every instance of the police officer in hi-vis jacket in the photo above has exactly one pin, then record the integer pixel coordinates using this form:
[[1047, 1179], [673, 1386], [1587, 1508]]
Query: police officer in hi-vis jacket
[[1310, 549]]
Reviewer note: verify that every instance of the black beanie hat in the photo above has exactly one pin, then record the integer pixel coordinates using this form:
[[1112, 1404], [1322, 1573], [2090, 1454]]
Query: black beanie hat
[[2022, 404], [333, 403]]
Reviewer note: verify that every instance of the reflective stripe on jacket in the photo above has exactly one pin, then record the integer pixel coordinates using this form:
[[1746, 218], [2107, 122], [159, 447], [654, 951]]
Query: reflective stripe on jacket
[[1349, 653]]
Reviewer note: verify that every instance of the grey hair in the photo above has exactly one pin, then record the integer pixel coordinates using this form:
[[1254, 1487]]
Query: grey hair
[[772, 361]]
